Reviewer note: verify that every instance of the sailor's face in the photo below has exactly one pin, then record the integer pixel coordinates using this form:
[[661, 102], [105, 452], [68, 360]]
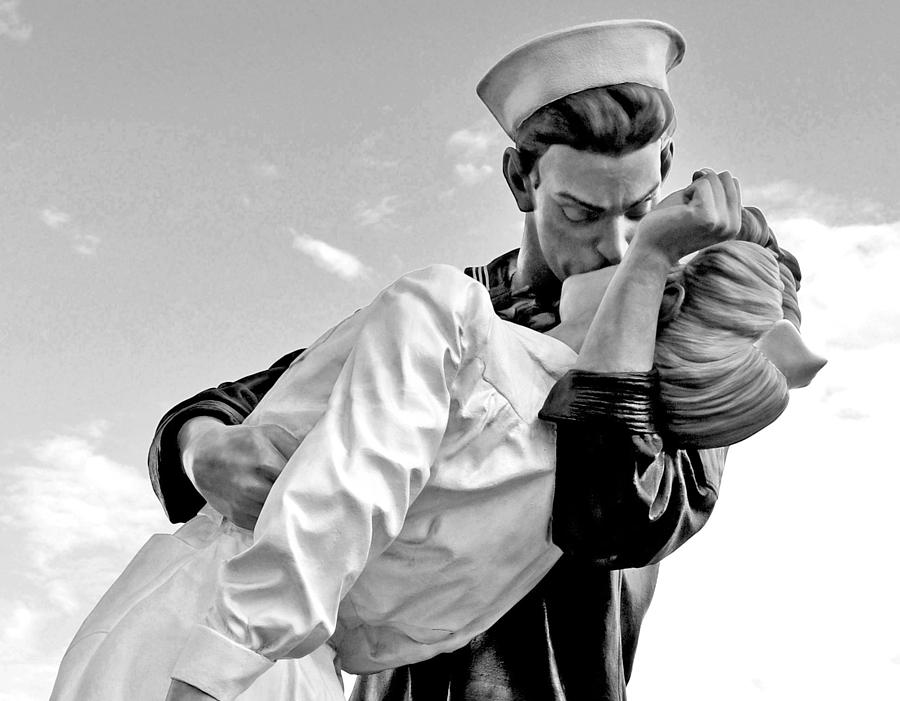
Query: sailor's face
[[587, 205]]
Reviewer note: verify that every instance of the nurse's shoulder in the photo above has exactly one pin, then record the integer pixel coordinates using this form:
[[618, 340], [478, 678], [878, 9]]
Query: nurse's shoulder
[[443, 299]]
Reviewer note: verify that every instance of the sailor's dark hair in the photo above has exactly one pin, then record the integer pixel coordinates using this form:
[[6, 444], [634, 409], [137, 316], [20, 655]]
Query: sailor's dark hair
[[615, 120]]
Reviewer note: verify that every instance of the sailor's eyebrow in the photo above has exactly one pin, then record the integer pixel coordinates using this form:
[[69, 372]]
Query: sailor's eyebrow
[[597, 208]]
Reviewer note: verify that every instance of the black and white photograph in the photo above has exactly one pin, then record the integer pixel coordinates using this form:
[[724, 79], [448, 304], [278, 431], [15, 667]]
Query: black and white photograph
[[449, 351]]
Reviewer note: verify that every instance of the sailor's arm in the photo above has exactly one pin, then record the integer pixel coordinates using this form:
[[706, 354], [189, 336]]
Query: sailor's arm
[[196, 444], [623, 498]]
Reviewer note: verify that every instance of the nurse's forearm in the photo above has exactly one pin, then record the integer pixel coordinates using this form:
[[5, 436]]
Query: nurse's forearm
[[622, 336]]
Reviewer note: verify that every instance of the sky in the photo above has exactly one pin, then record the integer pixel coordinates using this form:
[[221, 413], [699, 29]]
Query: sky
[[189, 190]]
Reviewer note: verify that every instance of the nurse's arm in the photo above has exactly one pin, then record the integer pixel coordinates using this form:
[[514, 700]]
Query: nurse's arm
[[344, 494]]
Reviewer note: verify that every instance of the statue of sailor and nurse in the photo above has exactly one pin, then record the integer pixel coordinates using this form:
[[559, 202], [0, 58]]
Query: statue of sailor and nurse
[[449, 487]]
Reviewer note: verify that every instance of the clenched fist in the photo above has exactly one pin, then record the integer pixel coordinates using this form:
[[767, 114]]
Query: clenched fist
[[706, 212], [234, 467]]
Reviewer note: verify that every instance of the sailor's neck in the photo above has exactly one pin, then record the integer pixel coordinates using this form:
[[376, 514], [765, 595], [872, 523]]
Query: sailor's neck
[[532, 274]]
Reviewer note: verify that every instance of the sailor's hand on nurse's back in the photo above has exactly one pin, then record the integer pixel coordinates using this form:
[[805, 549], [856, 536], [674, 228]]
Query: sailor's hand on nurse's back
[[706, 212], [234, 467]]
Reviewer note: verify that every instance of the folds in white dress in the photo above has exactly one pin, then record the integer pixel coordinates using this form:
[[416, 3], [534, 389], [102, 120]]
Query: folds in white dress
[[413, 515]]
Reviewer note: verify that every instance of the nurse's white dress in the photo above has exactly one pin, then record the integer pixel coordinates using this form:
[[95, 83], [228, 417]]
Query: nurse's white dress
[[414, 514]]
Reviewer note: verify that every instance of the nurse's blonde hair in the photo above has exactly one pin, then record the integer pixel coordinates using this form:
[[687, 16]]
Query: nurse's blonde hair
[[716, 386]]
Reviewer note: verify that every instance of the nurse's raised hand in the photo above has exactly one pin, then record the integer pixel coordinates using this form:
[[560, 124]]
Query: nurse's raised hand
[[234, 467]]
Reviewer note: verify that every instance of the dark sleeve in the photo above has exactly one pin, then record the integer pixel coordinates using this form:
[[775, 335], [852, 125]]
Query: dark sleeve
[[624, 498], [231, 403]]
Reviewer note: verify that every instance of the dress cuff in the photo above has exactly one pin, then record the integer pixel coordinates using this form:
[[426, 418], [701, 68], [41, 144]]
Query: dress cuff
[[624, 398], [217, 665]]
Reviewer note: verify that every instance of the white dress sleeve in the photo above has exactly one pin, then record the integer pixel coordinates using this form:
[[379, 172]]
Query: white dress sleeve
[[344, 494]]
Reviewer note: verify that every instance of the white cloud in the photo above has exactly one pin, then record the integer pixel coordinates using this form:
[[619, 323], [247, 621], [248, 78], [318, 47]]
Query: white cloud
[[55, 218], [94, 429], [18, 628], [76, 517], [266, 171], [82, 242], [329, 258], [474, 149], [848, 294], [85, 244], [471, 174], [379, 213], [786, 199], [70, 495], [11, 23], [475, 142], [372, 151]]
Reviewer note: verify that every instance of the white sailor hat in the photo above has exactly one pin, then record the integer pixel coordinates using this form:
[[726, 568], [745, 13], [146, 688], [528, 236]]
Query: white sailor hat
[[575, 59]]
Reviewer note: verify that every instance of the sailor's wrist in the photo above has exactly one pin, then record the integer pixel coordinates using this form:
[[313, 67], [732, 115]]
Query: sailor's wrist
[[189, 435]]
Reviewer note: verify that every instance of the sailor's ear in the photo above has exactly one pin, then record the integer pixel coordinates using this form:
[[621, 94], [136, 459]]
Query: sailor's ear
[[518, 180], [673, 298]]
